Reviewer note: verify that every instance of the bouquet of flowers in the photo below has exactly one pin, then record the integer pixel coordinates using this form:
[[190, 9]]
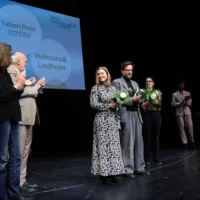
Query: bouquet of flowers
[[150, 95], [121, 97]]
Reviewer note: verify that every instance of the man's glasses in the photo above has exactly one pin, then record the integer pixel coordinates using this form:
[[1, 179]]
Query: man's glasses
[[128, 70], [149, 81]]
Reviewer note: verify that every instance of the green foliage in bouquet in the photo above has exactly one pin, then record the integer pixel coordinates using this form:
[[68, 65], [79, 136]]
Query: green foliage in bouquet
[[148, 94], [121, 97]]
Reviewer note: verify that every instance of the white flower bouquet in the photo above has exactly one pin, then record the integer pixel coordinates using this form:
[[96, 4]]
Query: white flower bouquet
[[121, 97], [148, 94]]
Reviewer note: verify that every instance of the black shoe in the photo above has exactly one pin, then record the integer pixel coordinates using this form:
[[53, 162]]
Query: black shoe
[[184, 146], [117, 179], [25, 189], [30, 185], [147, 163], [129, 176], [158, 162], [192, 146], [144, 173], [106, 180]]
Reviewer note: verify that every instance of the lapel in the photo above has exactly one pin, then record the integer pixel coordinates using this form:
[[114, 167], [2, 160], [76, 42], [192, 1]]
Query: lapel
[[124, 83], [179, 95], [126, 86], [136, 89], [185, 93], [14, 70]]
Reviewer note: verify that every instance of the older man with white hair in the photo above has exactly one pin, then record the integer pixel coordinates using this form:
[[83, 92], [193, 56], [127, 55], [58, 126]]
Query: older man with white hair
[[29, 112]]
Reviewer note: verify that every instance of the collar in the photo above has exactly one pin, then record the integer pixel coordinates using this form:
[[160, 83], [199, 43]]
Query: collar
[[15, 69]]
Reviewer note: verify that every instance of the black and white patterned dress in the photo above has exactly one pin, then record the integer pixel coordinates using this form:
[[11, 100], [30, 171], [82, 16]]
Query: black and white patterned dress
[[107, 156]]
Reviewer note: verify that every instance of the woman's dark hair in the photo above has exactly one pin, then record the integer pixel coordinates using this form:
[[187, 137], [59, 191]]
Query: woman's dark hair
[[5, 56], [150, 78]]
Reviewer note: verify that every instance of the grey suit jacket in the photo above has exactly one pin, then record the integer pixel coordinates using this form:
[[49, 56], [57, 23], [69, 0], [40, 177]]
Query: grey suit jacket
[[30, 115], [176, 101], [121, 85]]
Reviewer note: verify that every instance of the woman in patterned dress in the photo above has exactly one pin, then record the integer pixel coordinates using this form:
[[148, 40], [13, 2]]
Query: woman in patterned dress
[[107, 157]]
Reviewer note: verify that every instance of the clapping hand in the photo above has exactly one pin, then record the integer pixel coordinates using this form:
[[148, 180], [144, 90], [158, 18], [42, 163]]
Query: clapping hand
[[20, 80], [40, 83], [30, 81]]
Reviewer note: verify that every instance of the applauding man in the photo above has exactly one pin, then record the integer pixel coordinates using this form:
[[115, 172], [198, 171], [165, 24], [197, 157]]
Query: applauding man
[[29, 112], [182, 102]]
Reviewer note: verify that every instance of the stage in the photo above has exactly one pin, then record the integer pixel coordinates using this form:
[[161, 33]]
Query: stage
[[69, 178]]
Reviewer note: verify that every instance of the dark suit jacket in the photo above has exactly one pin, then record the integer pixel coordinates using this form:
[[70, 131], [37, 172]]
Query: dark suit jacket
[[9, 103]]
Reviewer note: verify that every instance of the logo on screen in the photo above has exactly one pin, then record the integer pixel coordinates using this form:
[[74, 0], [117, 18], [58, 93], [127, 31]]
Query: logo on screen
[[61, 24]]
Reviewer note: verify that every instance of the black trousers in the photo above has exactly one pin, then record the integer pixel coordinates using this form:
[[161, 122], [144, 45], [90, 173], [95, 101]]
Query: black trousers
[[151, 132]]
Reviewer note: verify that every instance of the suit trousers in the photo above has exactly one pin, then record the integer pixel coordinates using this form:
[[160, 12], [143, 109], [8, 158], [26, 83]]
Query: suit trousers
[[26, 133], [132, 144], [185, 125]]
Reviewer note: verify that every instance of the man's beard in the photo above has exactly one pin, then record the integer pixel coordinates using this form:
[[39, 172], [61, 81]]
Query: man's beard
[[128, 76]]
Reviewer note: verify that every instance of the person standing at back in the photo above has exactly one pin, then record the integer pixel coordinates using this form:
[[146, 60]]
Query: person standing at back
[[182, 101]]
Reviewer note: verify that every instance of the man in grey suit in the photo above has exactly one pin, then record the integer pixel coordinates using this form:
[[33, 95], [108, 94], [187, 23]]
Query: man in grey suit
[[182, 101], [29, 112], [131, 123]]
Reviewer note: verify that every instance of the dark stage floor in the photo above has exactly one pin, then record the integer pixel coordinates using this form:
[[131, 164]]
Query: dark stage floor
[[70, 179]]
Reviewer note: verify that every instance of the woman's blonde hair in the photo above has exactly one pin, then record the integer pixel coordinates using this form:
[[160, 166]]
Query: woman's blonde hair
[[108, 81], [5, 55]]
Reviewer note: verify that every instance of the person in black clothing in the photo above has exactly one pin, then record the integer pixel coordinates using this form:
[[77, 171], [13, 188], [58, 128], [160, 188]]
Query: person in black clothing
[[152, 121], [10, 115]]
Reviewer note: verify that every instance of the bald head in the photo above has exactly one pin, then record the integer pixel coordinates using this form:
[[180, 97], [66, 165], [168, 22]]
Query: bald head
[[20, 54], [19, 60]]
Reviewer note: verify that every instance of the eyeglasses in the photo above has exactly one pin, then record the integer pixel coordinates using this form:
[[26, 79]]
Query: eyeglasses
[[149, 81], [128, 70]]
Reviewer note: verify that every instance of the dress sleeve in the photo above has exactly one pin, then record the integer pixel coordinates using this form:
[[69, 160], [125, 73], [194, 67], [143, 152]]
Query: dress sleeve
[[94, 100]]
